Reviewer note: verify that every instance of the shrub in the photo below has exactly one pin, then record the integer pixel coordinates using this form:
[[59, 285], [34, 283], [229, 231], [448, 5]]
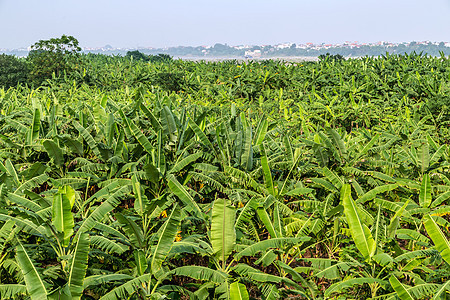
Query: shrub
[[331, 57], [137, 55], [13, 71], [160, 58]]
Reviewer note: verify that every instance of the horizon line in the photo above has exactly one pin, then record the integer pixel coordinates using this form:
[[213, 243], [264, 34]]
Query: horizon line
[[250, 45]]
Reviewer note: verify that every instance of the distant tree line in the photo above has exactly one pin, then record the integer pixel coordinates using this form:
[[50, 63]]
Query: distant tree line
[[137, 55], [365, 50], [223, 50]]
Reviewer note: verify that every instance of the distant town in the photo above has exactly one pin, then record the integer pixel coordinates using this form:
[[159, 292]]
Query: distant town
[[347, 49]]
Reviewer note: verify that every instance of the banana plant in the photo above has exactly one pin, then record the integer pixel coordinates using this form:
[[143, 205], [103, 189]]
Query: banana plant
[[366, 243], [437, 291], [36, 286], [222, 243], [54, 223], [150, 252]]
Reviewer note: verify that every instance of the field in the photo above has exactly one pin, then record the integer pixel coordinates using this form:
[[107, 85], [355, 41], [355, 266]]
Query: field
[[127, 179]]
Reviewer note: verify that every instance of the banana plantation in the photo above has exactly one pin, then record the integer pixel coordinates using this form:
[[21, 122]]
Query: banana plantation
[[232, 180]]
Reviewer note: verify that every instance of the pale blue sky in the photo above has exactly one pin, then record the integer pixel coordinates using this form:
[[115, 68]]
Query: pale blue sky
[[136, 23]]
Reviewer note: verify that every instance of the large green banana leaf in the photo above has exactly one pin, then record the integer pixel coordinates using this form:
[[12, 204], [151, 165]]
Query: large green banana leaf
[[268, 182], [35, 284], [437, 236], [425, 191], [62, 217], [78, 266], [12, 291], [398, 287], [223, 234], [360, 233], [238, 291], [201, 273], [33, 133], [129, 287], [184, 196], [166, 237]]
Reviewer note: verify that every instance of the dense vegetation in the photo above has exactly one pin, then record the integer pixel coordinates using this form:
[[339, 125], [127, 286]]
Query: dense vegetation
[[126, 179]]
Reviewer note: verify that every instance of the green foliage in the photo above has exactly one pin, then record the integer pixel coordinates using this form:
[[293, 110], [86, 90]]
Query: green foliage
[[258, 180], [330, 57], [53, 57], [161, 57], [35, 285], [13, 71], [169, 81], [439, 104], [137, 55]]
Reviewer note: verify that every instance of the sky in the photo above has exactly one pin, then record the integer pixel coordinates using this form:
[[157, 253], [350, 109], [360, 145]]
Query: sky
[[167, 23]]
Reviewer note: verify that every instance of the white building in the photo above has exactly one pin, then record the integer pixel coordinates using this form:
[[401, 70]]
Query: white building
[[253, 54]]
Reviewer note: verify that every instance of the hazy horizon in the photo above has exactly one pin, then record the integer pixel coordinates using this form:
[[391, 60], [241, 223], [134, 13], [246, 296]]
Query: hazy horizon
[[140, 23]]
